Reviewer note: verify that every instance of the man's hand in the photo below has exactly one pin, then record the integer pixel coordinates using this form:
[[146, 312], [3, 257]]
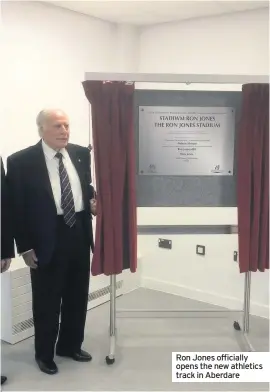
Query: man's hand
[[93, 207], [30, 259], [5, 264]]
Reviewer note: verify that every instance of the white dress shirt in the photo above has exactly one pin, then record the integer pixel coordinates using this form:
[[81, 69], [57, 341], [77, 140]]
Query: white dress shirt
[[53, 169]]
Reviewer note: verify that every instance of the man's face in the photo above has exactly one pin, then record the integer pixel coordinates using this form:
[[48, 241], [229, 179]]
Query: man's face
[[55, 130]]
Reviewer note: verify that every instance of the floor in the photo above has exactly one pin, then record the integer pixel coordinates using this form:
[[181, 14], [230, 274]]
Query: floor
[[143, 359]]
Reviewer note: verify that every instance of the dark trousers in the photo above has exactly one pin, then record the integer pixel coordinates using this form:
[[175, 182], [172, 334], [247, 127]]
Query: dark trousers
[[61, 288]]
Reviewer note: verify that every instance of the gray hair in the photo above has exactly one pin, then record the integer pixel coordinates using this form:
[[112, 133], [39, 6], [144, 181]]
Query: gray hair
[[42, 117]]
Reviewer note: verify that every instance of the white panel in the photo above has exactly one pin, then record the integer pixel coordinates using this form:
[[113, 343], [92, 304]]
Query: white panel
[[176, 78], [6, 306], [18, 291], [21, 281], [18, 273], [186, 216], [21, 336], [188, 87], [22, 317], [22, 308], [22, 299]]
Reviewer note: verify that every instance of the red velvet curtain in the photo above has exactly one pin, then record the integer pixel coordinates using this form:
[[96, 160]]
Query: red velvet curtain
[[253, 179], [114, 152]]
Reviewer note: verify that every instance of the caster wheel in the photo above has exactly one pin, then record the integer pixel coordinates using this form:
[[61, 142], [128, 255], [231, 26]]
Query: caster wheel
[[236, 326], [109, 360]]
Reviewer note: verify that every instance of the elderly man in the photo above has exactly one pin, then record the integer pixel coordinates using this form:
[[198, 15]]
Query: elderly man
[[52, 202], [7, 241]]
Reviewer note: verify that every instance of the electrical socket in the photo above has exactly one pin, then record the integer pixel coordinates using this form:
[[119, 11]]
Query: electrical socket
[[164, 243], [200, 250]]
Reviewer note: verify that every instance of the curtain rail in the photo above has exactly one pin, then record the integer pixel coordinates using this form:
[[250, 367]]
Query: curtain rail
[[177, 78]]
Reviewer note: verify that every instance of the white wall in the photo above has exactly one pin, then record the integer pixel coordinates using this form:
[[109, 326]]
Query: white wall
[[128, 48], [230, 44], [47, 51], [213, 278]]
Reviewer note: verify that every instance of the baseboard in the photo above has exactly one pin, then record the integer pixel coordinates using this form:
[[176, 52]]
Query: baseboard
[[202, 296]]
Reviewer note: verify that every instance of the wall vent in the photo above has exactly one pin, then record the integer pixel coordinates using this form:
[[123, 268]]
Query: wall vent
[[27, 324], [104, 291], [22, 326]]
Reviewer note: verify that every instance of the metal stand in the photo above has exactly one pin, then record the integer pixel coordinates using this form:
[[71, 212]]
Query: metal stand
[[110, 358], [150, 313], [246, 312]]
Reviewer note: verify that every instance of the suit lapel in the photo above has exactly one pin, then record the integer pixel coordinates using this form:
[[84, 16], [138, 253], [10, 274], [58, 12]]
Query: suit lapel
[[41, 171]]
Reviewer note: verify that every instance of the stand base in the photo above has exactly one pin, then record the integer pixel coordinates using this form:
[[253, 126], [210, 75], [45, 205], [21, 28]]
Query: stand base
[[236, 326], [150, 313], [109, 360]]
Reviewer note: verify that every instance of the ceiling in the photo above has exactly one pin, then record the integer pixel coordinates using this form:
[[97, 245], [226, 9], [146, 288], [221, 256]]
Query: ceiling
[[142, 12]]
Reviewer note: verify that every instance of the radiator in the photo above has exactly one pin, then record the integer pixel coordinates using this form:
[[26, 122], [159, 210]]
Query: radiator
[[16, 298]]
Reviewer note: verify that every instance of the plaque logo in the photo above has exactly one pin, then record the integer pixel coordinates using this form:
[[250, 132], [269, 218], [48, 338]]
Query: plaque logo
[[152, 168], [217, 170]]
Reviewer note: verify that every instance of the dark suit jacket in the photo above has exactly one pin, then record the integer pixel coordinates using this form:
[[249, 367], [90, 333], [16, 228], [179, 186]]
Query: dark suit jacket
[[7, 241], [33, 205]]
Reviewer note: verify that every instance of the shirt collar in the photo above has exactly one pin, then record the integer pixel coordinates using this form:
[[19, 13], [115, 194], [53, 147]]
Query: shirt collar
[[50, 152]]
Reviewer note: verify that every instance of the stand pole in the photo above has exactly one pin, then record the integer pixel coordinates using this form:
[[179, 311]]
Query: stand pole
[[246, 303], [247, 310], [111, 357], [246, 313]]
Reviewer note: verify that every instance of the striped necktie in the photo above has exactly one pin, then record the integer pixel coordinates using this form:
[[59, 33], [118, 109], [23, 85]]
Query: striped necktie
[[67, 201]]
